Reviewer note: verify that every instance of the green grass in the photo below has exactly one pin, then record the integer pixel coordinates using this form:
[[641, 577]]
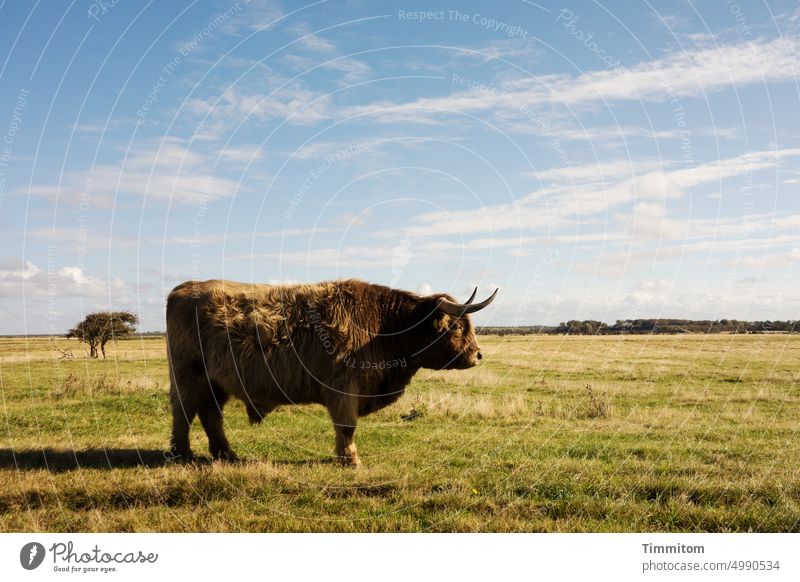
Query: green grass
[[663, 433]]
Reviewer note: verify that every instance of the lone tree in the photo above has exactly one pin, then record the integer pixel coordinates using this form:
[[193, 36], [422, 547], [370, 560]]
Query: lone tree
[[98, 328]]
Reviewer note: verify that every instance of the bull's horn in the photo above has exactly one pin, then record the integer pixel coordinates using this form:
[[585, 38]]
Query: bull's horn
[[459, 309], [456, 308], [472, 297]]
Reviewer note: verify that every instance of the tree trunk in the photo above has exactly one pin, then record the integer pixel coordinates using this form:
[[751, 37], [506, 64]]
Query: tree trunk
[[92, 351]]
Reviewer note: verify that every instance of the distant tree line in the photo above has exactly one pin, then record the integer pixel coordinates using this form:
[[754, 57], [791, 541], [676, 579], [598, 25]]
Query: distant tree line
[[649, 326], [519, 330]]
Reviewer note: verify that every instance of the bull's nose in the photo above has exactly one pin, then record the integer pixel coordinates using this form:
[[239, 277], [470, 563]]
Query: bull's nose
[[480, 356]]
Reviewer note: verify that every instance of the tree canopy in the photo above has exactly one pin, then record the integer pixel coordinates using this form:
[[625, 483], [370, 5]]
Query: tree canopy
[[97, 329]]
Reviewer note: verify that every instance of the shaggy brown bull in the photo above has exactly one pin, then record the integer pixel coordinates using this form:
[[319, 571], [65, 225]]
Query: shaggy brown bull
[[348, 345]]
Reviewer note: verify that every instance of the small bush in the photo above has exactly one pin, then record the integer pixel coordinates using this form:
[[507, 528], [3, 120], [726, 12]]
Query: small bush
[[67, 388], [598, 405], [101, 384]]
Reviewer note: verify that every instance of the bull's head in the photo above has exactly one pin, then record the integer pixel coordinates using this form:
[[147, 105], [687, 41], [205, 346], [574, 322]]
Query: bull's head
[[449, 337]]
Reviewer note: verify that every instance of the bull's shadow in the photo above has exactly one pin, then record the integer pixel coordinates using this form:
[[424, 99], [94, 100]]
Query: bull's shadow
[[59, 461]]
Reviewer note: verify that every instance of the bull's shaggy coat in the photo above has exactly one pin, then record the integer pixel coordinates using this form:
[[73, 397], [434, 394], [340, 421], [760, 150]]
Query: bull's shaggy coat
[[348, 345]]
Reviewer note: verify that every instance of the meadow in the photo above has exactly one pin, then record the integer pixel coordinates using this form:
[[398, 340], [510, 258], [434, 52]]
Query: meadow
[[549, 433]]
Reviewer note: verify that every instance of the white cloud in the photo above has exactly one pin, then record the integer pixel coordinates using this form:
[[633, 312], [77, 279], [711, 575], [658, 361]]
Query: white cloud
[[560, 204], [399, 254], [611, 170], [23, 278], [293, 103], [722, 244], [83, 238], [756, 299], [349, 257], [257, 15], [308, 39], [322, 149], [241, 153], [317, 43], [690, 73], [655, 186], [650, 292], [161, 169], [578, 200], [216, 239], [738, 300], [771, 259], [353, 69], [16, 269], [424, 289], [350, 219], [728, 167], [649, 221], [603, 134]]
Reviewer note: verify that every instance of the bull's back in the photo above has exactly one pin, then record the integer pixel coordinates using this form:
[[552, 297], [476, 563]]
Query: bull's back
[[249, 339], [207, 319]]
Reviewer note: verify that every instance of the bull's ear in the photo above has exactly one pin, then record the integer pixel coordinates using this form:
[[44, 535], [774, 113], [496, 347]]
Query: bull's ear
[[440, 321], [428, 314]]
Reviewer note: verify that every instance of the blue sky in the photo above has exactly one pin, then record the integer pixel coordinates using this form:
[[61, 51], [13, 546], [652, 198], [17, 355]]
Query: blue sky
[[592, 160]]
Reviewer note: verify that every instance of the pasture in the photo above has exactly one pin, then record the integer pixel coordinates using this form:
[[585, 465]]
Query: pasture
[[549, 433]]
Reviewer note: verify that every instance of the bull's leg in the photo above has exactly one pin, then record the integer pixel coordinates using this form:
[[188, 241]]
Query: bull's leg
[[346, 452], [211, 418], [344, 413], [183, 398]]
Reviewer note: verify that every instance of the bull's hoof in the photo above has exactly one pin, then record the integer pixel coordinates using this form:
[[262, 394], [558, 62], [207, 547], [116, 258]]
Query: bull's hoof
[[180, 457], [352, 461], [225, 456]]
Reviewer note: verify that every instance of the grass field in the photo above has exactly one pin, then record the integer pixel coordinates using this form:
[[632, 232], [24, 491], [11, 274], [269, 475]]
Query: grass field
[[550, 433]]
